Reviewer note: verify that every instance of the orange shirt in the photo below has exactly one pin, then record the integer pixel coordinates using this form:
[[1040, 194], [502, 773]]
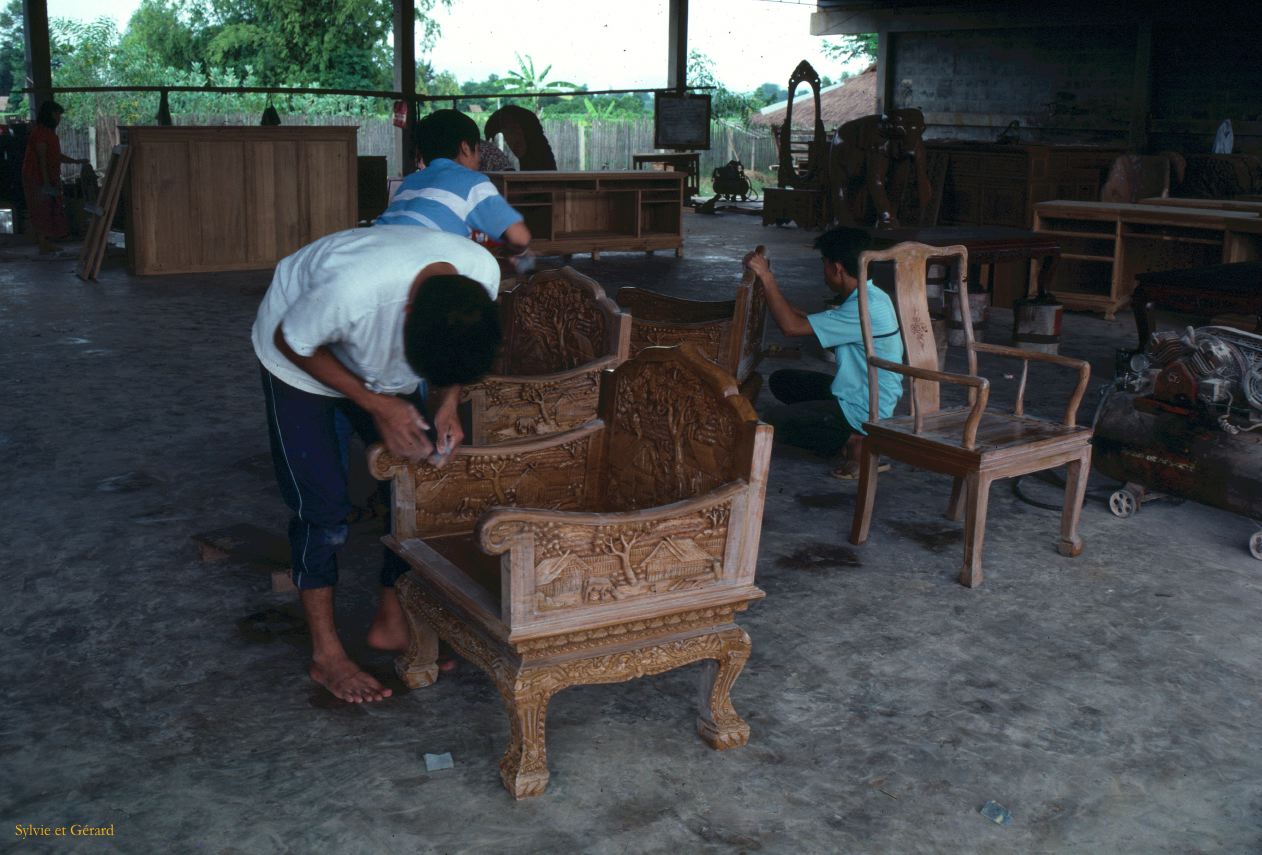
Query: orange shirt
[[52, 154]]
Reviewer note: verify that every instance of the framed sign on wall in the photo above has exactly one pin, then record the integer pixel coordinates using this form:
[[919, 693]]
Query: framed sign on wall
[[681, 120]]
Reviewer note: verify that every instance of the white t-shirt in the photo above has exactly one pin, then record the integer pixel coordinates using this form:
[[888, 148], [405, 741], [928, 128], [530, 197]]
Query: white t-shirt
[[348, 290]]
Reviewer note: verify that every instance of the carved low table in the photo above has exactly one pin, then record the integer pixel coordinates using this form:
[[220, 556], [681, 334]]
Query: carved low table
[[730, 333], [616, 550], [560, 332]]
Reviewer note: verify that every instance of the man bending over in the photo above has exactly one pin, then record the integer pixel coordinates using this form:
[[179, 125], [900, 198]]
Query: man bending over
[[352, 331], [822, 413]]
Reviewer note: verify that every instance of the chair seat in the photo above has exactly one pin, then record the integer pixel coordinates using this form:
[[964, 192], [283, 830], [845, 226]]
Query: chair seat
[[1002, 438]]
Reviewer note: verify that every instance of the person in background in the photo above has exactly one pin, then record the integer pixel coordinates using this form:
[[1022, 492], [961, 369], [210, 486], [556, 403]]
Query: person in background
[[449, 194], [823, 413], [523, 133], [41, 178]]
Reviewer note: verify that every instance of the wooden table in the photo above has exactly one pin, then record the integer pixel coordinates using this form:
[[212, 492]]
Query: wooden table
[[987, 246], [235, 197], [1205, 292], [687, 162], [570, 212], [1242, 205]]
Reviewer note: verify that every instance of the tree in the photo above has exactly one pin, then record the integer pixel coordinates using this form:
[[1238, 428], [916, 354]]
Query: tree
[[724, 103], [525, 79], [851, 48], [12, 54]]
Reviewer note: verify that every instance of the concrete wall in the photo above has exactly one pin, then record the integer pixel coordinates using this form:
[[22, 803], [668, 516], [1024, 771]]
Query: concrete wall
[[1199, 78]]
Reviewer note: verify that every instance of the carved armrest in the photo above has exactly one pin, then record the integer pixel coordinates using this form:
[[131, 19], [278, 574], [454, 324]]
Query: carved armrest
[[543, 472], [508, 407], [979, 392], [1027, 356], [585, 566]]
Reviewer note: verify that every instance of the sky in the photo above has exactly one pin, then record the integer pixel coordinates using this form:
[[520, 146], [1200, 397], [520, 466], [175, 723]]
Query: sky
[[606, 44]]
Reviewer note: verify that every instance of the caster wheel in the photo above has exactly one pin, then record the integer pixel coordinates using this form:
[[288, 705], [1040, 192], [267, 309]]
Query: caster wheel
[[1123, 503], [1255, 545]]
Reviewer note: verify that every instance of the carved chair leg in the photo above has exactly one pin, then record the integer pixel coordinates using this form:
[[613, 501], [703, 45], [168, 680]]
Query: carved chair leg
[[524, 768], [418, 666], [955, 507], [718, 724], [978, 487], [866, 497], [1075, 492]]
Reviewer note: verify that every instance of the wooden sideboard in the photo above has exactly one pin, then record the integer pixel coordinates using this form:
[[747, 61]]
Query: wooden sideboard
[[993, 184], [204, 199], [570, 212], [1104, 245]]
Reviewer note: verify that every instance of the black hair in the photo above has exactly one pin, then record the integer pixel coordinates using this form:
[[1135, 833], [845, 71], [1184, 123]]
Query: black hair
[[441, 132], [538, 153], [46, 112], [844, 245], [452, 331]]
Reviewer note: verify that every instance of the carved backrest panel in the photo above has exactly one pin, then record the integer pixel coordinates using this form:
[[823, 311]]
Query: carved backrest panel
[[506, 408], [911, 302], [750, 327], [556, 321], [676, 427]]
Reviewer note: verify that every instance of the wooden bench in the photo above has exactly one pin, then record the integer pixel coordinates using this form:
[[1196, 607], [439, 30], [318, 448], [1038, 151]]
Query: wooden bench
[[730, 333], [616, 550], [560, 332]]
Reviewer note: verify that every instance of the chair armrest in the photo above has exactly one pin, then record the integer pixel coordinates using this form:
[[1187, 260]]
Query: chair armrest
[[978, 385], [544, 472], [1027, 356], [579, 564]]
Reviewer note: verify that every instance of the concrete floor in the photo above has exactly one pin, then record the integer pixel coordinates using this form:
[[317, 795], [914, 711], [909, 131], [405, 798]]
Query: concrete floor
[[1110, 702]]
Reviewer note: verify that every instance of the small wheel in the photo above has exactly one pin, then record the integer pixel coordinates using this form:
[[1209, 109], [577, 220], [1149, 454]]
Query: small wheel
[[1123, 503], [1255, 545]]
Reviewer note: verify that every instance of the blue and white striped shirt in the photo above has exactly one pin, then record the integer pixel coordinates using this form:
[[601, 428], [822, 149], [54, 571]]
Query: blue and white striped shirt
[[447, 197]]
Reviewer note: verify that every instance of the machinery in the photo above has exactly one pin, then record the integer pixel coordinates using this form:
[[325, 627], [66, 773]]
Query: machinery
[[1182, 421], [730, 181]]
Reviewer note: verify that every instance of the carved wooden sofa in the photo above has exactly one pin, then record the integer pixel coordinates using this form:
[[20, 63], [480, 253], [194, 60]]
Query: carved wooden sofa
[[730, 333], [612, 551], [560, 332]]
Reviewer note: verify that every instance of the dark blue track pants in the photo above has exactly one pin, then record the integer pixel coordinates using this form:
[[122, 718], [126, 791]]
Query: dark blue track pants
[[310, 437]]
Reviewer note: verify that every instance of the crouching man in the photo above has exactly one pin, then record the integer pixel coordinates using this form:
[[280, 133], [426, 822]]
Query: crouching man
[[353, 330]]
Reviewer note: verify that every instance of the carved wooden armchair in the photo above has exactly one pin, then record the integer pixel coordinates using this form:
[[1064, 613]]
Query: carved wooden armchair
[[972, 444], [618, 549], [560, 332], [730, 333]]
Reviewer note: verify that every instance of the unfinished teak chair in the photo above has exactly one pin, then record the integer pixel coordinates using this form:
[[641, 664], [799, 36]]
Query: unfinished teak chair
[[972, 444], [560, 332], [730, 333], [619, 549]]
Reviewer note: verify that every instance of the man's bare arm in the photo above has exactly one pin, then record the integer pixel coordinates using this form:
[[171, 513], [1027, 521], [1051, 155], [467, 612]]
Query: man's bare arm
[[402, 428]]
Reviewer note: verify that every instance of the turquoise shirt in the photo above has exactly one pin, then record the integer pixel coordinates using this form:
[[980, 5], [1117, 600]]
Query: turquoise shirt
[[838, 328]]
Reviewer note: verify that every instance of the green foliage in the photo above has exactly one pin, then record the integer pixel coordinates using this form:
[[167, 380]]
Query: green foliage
[[851, 48], [724, 103], [12, 54]]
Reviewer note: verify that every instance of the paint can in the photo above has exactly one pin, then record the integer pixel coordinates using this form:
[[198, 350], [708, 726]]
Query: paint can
[[1036, 324], [978, 312]]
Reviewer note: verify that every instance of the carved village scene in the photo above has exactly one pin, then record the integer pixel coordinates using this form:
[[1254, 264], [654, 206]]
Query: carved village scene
[[801, 426]]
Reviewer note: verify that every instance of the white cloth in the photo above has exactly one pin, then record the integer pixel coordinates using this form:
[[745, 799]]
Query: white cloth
[[349, 290]]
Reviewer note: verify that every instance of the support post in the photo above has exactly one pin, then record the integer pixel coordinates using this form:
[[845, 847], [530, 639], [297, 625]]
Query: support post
[[39, 70], [1141, 94], [884, 61], [405, 77], [677, 45]]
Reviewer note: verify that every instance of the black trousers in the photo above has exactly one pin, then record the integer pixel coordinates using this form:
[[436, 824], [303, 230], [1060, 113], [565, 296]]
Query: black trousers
[[809, 416]]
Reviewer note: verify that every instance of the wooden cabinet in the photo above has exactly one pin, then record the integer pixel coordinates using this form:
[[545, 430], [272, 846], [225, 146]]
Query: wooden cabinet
[[570, 212], [990, 184], [1104, 245], [235, 198]]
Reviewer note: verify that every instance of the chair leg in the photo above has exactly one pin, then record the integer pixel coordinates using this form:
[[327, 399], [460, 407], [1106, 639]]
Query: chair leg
[[418, 666], [868, 458], [1075, 492], [955, 507], [718, 723], [524, 768], [978, 487]]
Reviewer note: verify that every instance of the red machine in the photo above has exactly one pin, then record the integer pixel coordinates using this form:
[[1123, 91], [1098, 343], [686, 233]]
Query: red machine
[[1183, 421]]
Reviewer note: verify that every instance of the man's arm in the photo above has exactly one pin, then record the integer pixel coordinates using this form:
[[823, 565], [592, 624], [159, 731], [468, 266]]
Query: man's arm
[[518, 236], [447, 421], [401, 426], [790, 319]]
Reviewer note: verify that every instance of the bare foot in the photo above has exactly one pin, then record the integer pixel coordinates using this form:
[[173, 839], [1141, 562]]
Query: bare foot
[[389, 630], [347, 681]]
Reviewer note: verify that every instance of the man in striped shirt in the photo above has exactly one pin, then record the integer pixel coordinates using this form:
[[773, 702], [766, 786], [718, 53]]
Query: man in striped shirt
[[449, 194]]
